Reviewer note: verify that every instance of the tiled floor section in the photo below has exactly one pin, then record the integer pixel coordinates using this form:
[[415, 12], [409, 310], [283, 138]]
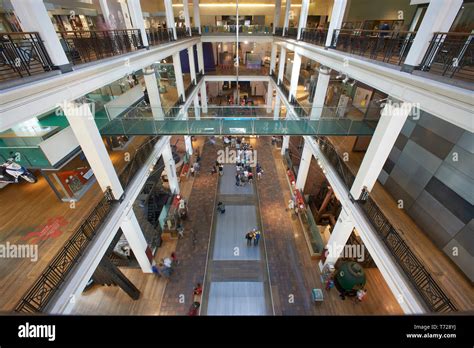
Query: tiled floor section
[[193, 258]]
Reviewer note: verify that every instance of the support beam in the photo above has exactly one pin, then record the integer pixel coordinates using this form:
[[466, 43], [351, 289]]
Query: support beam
[[390, 124], [303, 17], [107, 273], [81, 120], [178, 75], [339, 237], [197, 16], [277, 107], [200, 56], [269, 97], [295, 76], [41, 23], [337, 15], [281, 68], [276, 15], [286, 21], [204, 97], [153, 93], [132, 231], [170, 167], [192, 67], [320, 93], [273, 58], [170, 23], [439, 17], [136, 15], [188, 144], [285, 144], [187, 19], [303, 169]]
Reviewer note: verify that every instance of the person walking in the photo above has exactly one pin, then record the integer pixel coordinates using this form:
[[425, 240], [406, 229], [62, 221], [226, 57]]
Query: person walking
[[259, 171], [249, 237], [291, 205], [221, 169], [237, 179], [256, 238], [221, 207]]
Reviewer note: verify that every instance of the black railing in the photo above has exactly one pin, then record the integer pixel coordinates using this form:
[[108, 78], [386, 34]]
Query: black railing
[[89, 46], [21, 55], [451, 55], [314, 36], [40, 294], [279, 31], [292, 33], [274, 77], [285, 90], [195, 31], [159, 36], [138, 160], [419, 276], [383, 45], [232, 29], [182, 33]]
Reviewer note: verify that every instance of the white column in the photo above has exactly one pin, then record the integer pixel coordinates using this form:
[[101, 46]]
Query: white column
[[188, 144], [295, 75], [392, 119], [187, 19], [337, 15], [339, 237], [197, 109], [285, 144], [192, 67], [170, 167], [320, 93], [269, 97], [153, 93], [34, 17], [179, 75], [204, 97], [136, 15], [81, 120], [303, 169], [277, 15], [439, 17], [276, 110], [104, 7], [303, 16], [126, 14], [273, 58], [132, 231], [287, 16], [170, 23], [281, 68], [197, 15], [200, 55]]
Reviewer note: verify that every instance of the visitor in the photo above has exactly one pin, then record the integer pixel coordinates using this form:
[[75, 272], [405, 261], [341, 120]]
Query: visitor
[[291, 205], [259, 172], [221, 169], [221, 207], [174, 258], [180, 230], [250, 177], [249, 237], [361, 293], [237, 179], [256, 237]]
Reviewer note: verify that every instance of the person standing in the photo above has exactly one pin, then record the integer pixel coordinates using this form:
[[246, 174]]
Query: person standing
[[249, 238], [221, 169], [291, 205], [237, 179], [256, 238], [221, 207]]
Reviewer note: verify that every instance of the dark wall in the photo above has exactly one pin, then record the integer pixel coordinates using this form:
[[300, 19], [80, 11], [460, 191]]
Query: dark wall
[[437, 191]]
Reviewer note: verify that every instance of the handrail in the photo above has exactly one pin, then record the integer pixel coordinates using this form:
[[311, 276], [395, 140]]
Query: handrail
[[413, 267], [40, 294]]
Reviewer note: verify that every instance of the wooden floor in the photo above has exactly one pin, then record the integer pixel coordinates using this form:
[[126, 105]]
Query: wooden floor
[[448, 276], [379, 299], [29, 208]]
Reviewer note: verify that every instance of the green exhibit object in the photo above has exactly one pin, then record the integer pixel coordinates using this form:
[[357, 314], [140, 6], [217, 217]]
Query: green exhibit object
[[350, 275]]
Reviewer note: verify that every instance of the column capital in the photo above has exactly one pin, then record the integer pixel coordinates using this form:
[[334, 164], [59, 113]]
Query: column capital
[[149, 70], [324, 70]]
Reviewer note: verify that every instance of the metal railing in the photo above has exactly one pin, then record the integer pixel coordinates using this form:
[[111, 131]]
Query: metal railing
[[232, 30], [89, 46], [159, 36], [182, 33], [40, 294], [419, 276], [285, 90], [21, 55], [274, 76], [195, 31], [139, 158], [383, 45], [279, 31], [451, 55], [292, 33], [314, 36]]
